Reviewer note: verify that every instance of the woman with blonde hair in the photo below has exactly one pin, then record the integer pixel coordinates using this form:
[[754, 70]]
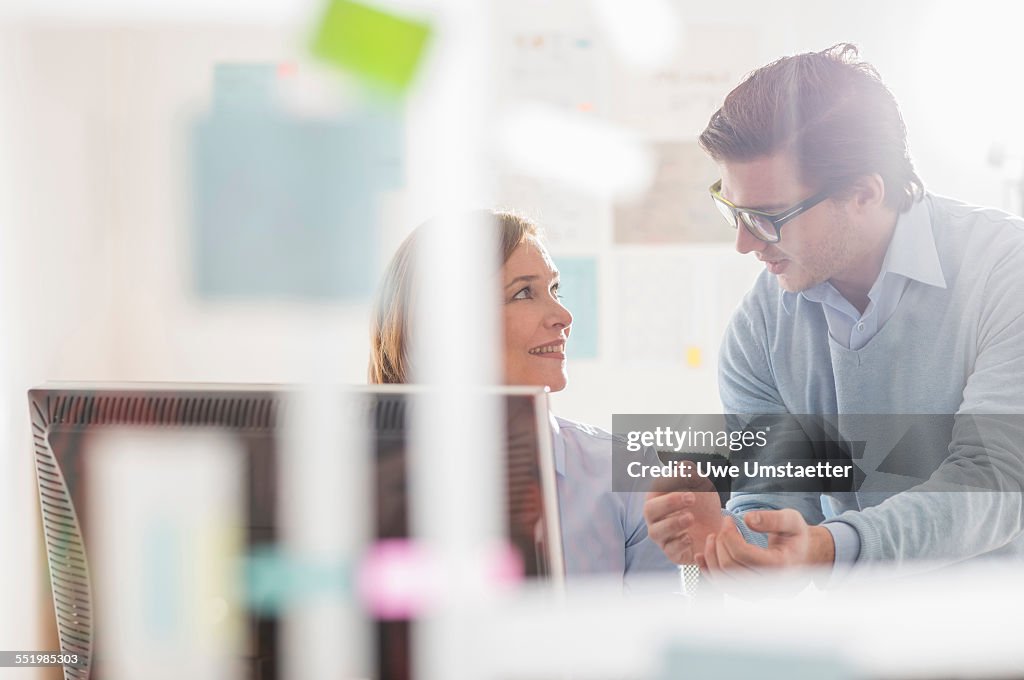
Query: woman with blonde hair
[[603, 531]]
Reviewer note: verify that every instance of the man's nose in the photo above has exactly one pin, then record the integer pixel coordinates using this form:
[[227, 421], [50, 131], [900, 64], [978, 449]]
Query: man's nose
[[746, 242]]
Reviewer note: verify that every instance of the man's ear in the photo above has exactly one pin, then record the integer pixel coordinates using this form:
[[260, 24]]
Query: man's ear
[[868, 192]]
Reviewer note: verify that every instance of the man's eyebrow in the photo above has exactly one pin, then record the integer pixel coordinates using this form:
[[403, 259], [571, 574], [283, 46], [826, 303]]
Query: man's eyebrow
[[768, 208], [771, 208]]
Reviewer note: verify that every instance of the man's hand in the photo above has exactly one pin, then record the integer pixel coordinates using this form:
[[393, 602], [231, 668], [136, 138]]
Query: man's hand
[[791, 543], [679, 521]]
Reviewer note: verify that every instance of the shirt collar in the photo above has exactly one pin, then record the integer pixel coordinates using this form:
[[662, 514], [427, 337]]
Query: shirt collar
[[557, 444], [911, 253]]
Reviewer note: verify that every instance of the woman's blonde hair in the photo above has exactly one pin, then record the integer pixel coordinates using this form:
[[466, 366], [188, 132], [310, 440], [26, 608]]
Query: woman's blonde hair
[[390, 325]]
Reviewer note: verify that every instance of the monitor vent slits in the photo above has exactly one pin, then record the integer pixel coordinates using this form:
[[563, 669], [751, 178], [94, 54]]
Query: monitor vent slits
[[62, 533], [248, 412], [389, 416], [232, 412], [65, 551], [218, 411]]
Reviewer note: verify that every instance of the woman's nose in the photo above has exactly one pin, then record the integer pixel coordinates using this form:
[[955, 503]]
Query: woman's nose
[[561, 316]]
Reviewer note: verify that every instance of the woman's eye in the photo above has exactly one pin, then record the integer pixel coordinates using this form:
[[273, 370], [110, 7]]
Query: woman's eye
[[523, 294], [554, 291]]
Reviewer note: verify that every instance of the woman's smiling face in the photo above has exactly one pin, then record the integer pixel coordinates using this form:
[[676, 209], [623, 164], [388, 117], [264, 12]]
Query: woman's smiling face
[[535, 322]]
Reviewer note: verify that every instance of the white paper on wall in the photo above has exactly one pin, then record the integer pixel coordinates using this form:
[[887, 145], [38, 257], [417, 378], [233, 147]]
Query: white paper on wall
[[551, 52], [569, 218], [677, 207], [675, 102], [663, 304]]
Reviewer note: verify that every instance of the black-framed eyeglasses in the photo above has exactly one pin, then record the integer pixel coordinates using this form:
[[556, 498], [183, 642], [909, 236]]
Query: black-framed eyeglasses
[[764, 226]]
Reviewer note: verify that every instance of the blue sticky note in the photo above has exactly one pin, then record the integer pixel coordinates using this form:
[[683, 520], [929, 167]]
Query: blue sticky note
[[708, 663], [273, 582], [578, 287], [244, 86], [286, 208]]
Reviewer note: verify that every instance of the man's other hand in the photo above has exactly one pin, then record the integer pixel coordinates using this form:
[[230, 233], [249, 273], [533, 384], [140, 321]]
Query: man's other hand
[[791, 543], [681, 514]]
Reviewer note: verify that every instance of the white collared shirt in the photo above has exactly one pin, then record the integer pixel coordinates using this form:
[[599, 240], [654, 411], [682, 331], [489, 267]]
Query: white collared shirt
[[911, 256], [603, 531]]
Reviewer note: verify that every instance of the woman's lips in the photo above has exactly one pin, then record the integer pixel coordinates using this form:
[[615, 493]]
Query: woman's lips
[[554, 350]]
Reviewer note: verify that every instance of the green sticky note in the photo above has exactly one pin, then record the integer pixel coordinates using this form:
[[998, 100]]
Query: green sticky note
[[380, 47]]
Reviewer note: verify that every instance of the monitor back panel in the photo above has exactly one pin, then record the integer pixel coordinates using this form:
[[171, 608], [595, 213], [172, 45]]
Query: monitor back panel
[[65, 418]]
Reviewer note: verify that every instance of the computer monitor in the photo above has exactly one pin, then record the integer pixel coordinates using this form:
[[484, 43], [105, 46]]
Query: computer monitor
[[65, 417]]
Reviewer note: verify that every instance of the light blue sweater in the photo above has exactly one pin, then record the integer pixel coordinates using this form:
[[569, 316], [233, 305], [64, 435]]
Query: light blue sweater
[[953, 350]]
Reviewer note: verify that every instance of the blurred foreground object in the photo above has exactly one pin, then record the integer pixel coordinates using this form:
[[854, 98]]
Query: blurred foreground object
[[381, 48]]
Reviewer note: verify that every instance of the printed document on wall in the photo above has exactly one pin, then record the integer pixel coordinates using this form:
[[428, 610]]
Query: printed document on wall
[[677, 207], [675, 102]]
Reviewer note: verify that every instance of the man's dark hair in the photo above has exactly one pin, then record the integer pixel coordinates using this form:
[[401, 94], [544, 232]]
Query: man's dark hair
[[831, 111]]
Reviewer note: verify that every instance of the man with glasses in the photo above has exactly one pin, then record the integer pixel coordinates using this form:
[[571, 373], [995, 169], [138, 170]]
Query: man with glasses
[[877, 298]]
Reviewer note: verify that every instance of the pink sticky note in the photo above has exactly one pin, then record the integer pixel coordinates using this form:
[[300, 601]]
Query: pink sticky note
[[398, 579]]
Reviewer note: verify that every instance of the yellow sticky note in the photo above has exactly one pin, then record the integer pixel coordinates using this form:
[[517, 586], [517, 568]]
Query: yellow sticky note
[[693, 357]]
